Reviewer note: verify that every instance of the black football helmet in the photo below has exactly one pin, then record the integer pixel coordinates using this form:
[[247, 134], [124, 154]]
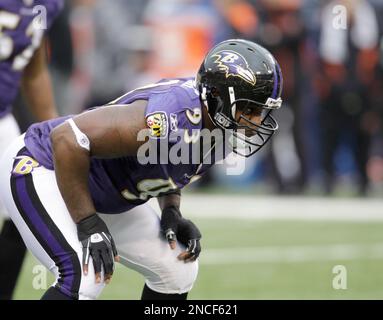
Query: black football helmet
[[238, 75]]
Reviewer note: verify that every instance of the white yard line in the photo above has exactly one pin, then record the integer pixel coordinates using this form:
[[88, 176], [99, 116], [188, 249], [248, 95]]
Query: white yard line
[[281, 208], [288, 254]]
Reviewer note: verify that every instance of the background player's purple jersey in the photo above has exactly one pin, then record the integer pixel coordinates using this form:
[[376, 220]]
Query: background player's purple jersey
[[117, 185], [20, 36]]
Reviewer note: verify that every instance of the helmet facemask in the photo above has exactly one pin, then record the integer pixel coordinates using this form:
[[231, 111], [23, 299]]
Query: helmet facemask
[[245, 136], [249, 137]]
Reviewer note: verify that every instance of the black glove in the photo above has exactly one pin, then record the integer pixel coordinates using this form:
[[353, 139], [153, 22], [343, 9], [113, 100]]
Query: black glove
[[97, 243], [175, 227]]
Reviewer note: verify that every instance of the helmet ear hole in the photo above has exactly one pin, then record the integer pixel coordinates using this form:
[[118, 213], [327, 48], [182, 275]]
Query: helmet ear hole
[[242, 105], [214, 92]]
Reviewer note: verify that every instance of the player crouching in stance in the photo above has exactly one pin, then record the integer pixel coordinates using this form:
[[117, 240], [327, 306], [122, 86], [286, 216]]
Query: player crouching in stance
[[77, 193]]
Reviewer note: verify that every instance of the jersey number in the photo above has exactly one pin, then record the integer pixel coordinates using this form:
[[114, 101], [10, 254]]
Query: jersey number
[[149, 188], [10, 21]]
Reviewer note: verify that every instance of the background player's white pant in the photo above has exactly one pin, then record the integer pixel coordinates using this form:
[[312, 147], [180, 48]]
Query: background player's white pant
[[9, 130], [36, 207]]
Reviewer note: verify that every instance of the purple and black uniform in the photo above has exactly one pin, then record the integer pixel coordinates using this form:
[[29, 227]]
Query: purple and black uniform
[[117, 185], [20, 36]]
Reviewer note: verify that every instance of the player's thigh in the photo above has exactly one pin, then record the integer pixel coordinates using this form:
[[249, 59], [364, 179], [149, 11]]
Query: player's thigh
[[36, 207], [142, 248], [9, 130]]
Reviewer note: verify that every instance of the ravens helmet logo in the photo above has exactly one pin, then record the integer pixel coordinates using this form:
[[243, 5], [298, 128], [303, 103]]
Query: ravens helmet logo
[[235, 65]]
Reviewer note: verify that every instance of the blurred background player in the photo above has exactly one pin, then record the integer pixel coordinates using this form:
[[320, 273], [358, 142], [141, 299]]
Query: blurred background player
[[22, 66], [348, 60]]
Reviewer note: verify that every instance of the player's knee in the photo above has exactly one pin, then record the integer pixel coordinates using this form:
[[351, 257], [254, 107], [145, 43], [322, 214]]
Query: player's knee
[[174, 278], [71, 281], [89, 289]]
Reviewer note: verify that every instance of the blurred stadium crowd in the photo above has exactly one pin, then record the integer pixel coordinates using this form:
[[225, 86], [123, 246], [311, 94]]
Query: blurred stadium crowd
[[331, 129]]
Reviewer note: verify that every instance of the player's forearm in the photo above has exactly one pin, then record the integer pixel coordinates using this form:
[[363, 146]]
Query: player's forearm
[[37, 90], [169, 200], [72, 171]]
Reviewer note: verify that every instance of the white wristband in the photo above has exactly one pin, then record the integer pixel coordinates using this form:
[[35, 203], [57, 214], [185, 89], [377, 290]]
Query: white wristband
[[81, 137]]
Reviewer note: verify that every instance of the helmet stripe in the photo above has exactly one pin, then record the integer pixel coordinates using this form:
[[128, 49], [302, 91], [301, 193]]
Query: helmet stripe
[[276, 81], [275, 88]]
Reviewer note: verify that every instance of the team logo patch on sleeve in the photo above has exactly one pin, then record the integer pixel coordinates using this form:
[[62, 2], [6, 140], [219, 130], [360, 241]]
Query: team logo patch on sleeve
[[158, 124]]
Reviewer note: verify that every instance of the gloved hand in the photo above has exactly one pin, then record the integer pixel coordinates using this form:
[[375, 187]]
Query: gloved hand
[[97, 242], [175, 227]]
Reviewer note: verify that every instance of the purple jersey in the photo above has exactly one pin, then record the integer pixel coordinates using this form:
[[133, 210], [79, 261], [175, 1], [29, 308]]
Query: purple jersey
[[20, 36], [117, 185]]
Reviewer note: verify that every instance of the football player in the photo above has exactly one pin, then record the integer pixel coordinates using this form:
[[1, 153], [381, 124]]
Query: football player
[[22, 65], [76, 187]]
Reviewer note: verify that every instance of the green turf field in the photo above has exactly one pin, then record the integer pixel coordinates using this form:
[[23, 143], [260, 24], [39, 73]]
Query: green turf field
[[266, 259]]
